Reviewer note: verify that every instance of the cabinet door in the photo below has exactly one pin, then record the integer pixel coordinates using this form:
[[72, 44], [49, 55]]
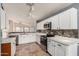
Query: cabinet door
[[32, 38], [3, 21], [38, 39], [40, 26], [55, 22], [64, 20], [59, 49], [74, 20], [50, 47]]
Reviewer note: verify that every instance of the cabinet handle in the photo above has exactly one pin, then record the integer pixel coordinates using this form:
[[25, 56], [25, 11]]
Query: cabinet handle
[[59, 45]]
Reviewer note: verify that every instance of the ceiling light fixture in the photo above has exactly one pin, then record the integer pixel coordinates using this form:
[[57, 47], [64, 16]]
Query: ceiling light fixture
[[31, 6]]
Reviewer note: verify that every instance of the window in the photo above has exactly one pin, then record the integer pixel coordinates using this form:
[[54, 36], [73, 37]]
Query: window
[[18, 29], [26, 29]]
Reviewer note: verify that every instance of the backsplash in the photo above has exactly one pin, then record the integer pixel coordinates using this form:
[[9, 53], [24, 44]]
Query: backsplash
[[65, 33]]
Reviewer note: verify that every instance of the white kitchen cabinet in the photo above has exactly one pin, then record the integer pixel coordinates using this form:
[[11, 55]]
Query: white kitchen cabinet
[[55, 22], [3, 19], [68, 19], [59, 49], [38, 38], [65, 20], [50, 47], [40, 25], [27, 38], [56, 48], [74, 20]]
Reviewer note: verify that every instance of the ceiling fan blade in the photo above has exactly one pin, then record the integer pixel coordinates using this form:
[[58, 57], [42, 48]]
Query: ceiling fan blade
[[30, 4], [31, 8]]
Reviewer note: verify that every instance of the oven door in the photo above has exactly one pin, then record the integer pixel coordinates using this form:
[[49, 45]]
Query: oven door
[[44, 41]]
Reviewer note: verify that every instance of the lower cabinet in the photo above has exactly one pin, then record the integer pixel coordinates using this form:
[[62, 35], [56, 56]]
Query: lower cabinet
[[27, 38], [6, 49], [55, 49], [38, 39], [58, 49], [50, 47]]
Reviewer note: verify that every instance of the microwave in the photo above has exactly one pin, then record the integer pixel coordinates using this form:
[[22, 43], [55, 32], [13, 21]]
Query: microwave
[[48, 25]]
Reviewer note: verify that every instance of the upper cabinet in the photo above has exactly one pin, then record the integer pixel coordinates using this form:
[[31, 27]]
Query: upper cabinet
[[68, 19], [55, 22], [2, 19], [64, 20], [40, 25], [74, 18]]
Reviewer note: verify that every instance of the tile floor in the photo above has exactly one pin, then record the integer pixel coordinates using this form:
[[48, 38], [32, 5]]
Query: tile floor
[[30, 49]]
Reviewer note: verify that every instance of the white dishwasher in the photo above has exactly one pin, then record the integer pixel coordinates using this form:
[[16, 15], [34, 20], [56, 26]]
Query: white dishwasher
[[50, 47]]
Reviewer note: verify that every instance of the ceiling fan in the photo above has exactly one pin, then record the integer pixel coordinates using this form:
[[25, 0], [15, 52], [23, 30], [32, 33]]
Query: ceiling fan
[[31, 8], [2, 6]]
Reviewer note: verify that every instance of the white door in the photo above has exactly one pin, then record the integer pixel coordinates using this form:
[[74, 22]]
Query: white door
[[65, 20], [59, 49]]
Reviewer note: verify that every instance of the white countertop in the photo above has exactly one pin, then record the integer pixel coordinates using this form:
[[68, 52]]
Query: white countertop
[[41, 33], [65, 40], [9, 40]]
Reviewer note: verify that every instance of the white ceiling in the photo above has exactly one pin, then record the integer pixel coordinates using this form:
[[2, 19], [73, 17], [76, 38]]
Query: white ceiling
[[19, 11]]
